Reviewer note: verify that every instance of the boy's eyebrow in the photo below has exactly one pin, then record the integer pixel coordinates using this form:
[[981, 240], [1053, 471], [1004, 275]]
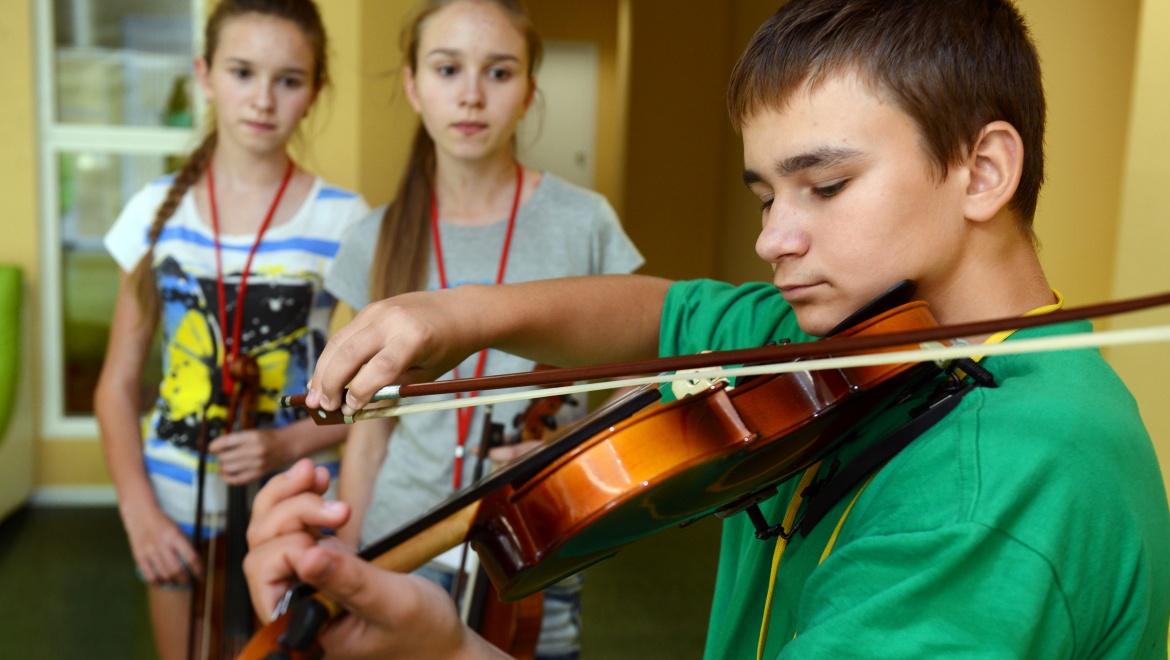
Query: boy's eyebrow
[[817, 158], [820, 158]]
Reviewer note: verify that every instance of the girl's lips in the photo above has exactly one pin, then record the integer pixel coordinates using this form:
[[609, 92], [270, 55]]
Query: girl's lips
[[469, 127], [259, 126]]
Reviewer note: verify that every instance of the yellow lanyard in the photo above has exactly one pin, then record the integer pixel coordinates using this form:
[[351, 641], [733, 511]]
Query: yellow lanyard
[[781, 543], [1043, 309]]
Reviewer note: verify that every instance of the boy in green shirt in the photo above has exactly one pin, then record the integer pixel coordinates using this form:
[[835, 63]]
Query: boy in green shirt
[[887, 140]]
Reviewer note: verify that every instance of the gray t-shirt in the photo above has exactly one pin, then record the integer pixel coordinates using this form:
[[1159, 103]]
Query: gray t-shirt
[[561, 231]]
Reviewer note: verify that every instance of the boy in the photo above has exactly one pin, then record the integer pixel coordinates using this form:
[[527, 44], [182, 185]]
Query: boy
[[887, 140]]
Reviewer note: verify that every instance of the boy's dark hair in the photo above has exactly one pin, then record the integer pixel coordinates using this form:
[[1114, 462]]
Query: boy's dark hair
[[952, 65]]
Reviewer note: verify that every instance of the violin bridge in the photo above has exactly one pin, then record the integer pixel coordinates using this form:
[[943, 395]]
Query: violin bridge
[[692, 386]]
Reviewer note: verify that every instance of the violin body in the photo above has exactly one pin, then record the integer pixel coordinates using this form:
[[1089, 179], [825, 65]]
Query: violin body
[[672, 463]]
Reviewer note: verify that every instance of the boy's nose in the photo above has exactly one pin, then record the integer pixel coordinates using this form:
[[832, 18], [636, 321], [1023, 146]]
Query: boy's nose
[[780, 236]]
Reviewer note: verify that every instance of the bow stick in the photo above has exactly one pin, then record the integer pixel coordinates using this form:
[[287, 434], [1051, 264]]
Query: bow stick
[[829, 353]]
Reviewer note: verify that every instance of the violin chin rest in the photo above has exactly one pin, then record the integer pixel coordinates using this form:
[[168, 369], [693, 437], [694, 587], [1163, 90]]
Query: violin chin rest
[[895, 296]]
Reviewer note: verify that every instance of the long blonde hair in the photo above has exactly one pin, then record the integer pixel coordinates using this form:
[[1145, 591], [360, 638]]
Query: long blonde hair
[[403, 249], [304, 14]]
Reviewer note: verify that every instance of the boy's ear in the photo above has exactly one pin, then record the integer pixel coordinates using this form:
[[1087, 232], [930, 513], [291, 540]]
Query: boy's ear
[[993, 166]]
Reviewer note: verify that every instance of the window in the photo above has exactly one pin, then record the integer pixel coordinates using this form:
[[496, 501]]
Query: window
[[116, 108]]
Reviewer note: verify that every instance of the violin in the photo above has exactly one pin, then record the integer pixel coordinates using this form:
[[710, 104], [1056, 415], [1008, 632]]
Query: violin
[[631, 469], [512, 627], [223, 602]]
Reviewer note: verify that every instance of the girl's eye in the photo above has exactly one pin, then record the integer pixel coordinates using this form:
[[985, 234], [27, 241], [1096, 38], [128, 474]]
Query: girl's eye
[[445, 70], [241, 73], [292, 83], [830, 190], [500, 74], [766, 205]]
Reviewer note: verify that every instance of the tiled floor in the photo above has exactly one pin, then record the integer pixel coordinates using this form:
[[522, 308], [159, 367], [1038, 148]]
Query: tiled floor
[[68, 590]]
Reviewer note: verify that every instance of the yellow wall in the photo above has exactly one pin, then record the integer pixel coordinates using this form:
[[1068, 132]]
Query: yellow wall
[[1087, 52], [1143, 244], [670, 162], [358, 135], [17, 140], [18, 186]]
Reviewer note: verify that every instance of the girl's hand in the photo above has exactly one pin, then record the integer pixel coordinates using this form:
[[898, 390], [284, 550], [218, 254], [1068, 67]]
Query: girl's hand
[[388, 614], [246, 456], [161, 550]]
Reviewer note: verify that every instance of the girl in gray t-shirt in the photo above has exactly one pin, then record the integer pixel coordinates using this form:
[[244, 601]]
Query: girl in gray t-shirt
[[466, 211]]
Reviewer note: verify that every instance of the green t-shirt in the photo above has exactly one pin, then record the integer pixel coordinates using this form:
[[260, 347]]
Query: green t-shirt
[[1031, 522]]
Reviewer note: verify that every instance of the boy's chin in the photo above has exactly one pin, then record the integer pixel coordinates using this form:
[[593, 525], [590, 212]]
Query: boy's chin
[[814, 320]]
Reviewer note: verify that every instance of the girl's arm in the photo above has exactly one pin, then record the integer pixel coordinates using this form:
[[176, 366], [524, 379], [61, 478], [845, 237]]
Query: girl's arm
[[365, 450], [159, 546]]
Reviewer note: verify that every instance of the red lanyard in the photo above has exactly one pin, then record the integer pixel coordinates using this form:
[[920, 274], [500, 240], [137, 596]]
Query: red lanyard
[[464, 414], [234, 350]]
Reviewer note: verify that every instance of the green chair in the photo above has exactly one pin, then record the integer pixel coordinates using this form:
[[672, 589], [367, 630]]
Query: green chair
[[16, 445], [10, 289]]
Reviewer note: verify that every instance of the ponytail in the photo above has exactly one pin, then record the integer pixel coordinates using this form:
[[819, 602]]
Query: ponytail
[[142, 277], [403, 250]]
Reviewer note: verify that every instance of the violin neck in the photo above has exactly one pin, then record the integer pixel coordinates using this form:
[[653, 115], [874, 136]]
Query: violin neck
[[429, 543]]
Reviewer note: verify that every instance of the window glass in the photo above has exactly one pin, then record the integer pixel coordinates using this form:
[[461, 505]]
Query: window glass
[[123, 62], [93, 188]]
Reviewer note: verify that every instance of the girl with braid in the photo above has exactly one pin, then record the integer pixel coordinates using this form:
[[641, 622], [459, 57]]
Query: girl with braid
[[228, 256]]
